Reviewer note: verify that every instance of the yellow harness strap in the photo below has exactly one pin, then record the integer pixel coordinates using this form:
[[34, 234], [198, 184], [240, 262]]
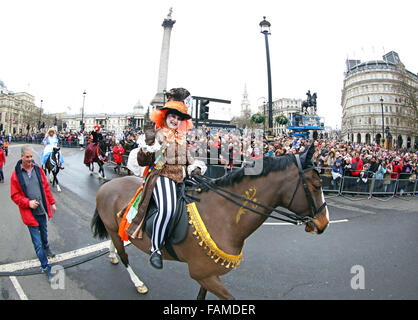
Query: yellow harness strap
[[202, 233]]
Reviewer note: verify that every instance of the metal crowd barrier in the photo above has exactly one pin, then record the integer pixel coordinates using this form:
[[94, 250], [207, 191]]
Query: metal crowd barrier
[[372, 187], [61, 142]]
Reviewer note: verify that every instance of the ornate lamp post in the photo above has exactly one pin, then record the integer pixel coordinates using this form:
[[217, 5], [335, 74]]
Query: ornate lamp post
[[40, 116], [82, 111], [265, 29], [264, 112], [383, 121]]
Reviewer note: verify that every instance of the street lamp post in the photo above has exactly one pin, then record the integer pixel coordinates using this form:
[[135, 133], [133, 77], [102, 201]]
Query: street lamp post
[[40, 115], [383, 121], [264, 113], [82, 112], [265, 29]]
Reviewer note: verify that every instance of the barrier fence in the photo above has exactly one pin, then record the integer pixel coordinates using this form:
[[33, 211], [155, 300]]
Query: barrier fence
[[368, 186], [343, 185]]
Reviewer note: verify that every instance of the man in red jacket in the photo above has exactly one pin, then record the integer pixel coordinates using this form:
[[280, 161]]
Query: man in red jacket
[[29, 189]]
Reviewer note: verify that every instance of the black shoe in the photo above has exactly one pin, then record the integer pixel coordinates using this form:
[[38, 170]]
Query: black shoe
[[49, 253], [156, 260], [48, 273]]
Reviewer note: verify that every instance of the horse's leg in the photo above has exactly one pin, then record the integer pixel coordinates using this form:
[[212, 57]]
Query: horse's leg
[[112, 254], [103, 172], [202, 294], [56, 181], [118, 244], [101, 175], [50, 176], [91, 168], [214, 285]]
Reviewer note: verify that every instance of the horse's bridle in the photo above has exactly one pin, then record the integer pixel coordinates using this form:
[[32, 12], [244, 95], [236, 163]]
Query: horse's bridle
[[294, 218], [314, 211]]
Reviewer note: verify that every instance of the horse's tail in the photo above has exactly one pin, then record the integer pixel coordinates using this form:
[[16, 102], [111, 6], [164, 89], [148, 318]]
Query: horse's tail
[[98, 227]]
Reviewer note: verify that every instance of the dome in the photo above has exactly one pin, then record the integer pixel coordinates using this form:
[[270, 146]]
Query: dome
[[138, 108]]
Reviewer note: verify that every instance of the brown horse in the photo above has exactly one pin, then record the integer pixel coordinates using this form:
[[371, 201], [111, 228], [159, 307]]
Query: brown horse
[[288, 181]]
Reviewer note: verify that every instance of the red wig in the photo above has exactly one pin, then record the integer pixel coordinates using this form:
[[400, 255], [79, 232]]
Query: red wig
[[158, 117]]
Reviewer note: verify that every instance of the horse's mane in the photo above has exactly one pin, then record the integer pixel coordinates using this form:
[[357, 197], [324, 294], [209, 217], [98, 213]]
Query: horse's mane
[[269, 164]]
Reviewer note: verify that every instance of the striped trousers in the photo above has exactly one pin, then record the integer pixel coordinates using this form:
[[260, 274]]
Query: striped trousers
[[165, 197]]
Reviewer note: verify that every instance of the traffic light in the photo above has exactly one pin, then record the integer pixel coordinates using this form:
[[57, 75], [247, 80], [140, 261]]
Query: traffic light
[[204, 109]]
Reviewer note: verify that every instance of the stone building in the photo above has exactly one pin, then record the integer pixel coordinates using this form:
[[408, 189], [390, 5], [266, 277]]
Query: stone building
[[287, 106], [112, 122], [18, 112], [379, 98]]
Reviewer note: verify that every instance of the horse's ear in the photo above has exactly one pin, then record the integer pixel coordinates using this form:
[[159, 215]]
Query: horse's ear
[[306, 157]]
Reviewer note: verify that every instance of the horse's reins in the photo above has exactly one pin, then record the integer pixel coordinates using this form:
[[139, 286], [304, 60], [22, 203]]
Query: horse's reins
[[294, 218]]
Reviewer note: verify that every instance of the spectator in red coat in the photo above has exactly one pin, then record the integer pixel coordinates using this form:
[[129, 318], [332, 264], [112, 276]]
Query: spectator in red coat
[[397, 166], [29, 189], [356, 165], [118, 152], [2, 161]]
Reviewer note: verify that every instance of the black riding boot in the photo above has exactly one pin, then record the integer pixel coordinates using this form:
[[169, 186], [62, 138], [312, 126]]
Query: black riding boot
[[156, 260]]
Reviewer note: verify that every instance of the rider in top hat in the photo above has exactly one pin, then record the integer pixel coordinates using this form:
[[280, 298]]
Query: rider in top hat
[[96, 135], [164, 146]]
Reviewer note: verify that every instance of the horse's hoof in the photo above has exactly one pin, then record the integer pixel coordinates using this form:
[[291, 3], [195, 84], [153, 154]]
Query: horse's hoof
[[142, 289], [114, 260], [91, 173], [58, 189]]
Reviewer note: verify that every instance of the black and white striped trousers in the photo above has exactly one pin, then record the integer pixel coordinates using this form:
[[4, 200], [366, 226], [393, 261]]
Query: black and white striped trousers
[[165, 197]]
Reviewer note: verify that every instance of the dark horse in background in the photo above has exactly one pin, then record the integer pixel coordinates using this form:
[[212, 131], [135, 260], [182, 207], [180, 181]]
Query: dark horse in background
[[289, 181], [96, 152], [52, 167]]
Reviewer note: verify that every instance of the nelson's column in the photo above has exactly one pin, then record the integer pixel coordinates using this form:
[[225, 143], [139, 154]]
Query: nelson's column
[[168, 23]]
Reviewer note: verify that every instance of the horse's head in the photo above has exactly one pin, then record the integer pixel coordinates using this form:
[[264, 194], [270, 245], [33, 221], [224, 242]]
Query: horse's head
[[56, 154], [306, 195]]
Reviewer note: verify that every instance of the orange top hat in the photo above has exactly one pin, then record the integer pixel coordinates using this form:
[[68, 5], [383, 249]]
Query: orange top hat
[[158, 115], [179, 106]]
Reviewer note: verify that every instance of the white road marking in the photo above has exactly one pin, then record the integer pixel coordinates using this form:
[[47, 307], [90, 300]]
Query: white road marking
[[18, 288], [290, 224], [17, 266]]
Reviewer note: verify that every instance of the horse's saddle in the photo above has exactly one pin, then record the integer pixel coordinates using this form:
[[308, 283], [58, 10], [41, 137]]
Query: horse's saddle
[[178, 225]]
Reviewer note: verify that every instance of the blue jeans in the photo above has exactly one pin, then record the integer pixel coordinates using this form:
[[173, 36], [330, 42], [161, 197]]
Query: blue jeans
[[1, 174], [39, 237]]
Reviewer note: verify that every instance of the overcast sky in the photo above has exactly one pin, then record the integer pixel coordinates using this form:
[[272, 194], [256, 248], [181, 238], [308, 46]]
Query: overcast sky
[[56, 49]]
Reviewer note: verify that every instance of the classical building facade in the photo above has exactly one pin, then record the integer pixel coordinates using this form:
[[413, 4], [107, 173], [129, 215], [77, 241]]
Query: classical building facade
[[111, 122], [20, 115], [287, 106], [379, 98], [18, 111]]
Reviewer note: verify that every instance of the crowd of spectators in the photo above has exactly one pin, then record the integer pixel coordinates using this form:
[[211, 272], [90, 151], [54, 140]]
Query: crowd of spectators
[[234, 148]]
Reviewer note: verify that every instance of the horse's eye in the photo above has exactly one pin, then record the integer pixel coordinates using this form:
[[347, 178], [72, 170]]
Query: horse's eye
[[317, 187]]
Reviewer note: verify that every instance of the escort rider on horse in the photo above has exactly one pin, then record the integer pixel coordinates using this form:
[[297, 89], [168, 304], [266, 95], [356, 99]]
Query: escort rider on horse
[[91, 148], [50, 142], [165, 150]]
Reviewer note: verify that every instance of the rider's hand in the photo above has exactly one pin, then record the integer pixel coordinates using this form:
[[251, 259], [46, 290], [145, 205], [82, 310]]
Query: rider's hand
[[197, 171], [53, 208], [149, 134], [33, 204]]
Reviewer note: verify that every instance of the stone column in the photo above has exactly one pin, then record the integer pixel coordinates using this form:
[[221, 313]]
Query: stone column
[[168, 23]]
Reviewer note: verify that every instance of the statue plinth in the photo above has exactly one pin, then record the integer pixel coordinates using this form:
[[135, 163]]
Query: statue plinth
[[158, 100]]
